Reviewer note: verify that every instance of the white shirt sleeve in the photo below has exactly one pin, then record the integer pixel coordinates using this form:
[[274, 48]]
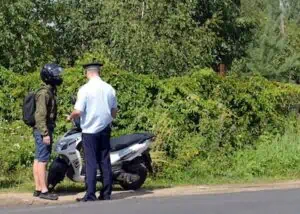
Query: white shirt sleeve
[[81, 100], [113, 100]]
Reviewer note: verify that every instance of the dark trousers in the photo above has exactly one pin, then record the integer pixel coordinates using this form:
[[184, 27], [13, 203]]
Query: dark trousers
[[96, 151]]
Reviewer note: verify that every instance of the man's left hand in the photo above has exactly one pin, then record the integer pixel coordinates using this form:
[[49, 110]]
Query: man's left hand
[[69, 118]]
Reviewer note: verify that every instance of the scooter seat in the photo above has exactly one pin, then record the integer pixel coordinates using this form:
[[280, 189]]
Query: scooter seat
[[128, 140]]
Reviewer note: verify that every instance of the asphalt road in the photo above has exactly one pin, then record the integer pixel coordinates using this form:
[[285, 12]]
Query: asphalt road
[[264, 202]]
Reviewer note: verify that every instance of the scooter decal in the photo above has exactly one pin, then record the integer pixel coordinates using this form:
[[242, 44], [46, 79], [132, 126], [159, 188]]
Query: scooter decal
[[76, 163]]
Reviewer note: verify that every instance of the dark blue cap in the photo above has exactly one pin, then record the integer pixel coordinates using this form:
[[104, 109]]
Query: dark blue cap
[[93, 64]]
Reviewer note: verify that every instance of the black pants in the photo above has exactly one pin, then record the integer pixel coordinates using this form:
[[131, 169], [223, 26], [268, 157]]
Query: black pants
[[96, 151]]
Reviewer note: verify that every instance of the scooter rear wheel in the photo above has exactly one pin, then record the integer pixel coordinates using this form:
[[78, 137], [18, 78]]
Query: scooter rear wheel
[[138, 170]]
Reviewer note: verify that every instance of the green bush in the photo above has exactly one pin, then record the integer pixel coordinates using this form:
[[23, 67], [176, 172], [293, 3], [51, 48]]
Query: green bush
[[196, 118], [273, 157], [270, 159], [16, 147]]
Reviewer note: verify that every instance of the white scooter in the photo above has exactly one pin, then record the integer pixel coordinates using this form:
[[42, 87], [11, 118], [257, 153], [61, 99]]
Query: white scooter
[[129, 156]]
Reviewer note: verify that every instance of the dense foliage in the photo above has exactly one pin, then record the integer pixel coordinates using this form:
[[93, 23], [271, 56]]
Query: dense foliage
[[161, 57], [193, 116], [166, 37], [274, 50]]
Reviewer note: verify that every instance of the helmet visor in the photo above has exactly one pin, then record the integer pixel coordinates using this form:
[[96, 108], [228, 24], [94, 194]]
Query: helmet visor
[[57, 71]]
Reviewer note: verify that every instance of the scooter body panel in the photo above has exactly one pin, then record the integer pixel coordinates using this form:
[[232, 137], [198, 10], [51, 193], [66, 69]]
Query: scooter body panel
[[68, 148]]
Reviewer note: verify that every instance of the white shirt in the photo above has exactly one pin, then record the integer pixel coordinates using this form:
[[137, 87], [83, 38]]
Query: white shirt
[[95, 101]]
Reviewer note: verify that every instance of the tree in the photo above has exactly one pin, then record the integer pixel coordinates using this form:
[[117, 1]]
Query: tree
[[274, 53], [24, 36], [233, 31], [165, 37], [156, 36], [76, 25]]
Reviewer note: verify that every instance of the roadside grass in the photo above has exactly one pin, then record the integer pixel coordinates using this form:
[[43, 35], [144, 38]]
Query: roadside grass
[[267, 163], [70, 187]]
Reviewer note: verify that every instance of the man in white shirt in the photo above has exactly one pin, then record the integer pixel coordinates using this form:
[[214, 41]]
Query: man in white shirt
[[96, 106]]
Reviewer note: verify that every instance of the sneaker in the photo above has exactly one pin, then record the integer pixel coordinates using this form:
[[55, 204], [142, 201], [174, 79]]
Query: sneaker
[[36, 193], [48, 196]]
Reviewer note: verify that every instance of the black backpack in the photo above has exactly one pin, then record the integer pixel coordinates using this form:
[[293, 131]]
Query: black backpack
[[29, 109]]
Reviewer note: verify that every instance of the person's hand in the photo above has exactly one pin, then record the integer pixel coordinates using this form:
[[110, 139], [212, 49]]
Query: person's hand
[[68, 117], [47, 140]]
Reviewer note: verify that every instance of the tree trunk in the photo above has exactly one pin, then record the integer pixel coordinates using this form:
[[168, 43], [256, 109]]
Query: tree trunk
[[143, 9], [282, 17]]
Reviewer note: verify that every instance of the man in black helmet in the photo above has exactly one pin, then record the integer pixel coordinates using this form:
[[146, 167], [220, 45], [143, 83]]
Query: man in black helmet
[[45, 117]]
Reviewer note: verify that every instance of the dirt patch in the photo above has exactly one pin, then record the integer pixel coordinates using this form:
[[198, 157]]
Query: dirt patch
[[26, 199]]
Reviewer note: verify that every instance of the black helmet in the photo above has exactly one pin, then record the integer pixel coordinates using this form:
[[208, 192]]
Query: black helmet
[[51, 74]]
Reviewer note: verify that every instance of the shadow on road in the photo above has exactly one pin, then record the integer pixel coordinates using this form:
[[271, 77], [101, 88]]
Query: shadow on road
[[117, 194]]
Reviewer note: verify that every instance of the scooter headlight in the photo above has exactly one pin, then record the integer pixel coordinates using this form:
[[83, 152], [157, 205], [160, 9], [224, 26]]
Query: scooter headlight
[[63, 144]]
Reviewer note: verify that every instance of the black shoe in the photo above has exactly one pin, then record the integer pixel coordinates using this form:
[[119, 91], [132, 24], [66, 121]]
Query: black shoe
[[84, 199], [102, 198], [81, 199], [36, 193], [48, 196]]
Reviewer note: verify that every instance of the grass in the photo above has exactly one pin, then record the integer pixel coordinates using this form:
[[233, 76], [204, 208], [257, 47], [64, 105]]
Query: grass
[[278, 160]]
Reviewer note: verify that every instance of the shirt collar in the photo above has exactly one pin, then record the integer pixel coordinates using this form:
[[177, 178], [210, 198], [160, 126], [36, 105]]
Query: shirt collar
[[97, 78]]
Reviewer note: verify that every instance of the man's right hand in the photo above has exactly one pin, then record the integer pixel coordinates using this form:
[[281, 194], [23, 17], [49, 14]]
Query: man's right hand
[[47, 140]]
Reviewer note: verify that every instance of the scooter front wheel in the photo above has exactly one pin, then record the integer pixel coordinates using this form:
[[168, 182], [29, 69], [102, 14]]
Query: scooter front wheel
[[56, 173]]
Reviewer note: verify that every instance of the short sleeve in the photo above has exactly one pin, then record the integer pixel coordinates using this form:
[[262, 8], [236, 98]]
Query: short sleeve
[[80, 104], [113, 100]]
